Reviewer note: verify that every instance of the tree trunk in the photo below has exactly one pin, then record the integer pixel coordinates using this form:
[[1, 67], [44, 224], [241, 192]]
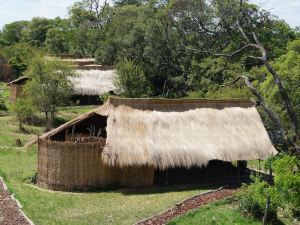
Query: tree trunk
[[274, 118], [285, 98]]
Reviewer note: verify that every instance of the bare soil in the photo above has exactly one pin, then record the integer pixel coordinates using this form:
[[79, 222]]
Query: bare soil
[[9, 210], [188, 205]]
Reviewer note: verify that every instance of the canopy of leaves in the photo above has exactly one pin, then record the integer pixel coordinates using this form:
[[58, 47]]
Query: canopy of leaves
[[49, 86]]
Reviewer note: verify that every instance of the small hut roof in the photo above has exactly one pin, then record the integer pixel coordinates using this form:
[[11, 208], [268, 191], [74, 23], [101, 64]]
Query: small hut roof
[[93, 82], [19, 80], [179, 133]]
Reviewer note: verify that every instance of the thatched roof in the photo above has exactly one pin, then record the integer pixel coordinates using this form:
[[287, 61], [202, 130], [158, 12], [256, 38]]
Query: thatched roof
[[21, 80], [188, 132], [93, 82]]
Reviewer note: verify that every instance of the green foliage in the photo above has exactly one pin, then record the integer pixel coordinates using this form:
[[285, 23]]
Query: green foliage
[[58, 39], [219, 213], [287, 182], [18, 57], [130, 79], [36, 32], [2, 102], [288, 67], [284, 193], [12, 33], [294, 46], [24, 111], [253, 198], [49, 86]]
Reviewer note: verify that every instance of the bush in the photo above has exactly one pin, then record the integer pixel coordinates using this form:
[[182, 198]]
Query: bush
[[284, 194], [287, 182], [130, 80], [24, 111], [2, 103], [253, 197]]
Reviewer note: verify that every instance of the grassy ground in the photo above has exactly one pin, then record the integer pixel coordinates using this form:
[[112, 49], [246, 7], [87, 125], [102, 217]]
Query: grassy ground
[[256, 164], [44, 207], [17, 166], [223, 212]]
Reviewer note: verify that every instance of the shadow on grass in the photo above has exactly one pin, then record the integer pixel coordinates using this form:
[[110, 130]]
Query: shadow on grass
[[167, 188]]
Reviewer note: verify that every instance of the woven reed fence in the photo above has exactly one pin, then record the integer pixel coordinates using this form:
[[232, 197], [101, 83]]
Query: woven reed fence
[[70, 166], [15, 92]]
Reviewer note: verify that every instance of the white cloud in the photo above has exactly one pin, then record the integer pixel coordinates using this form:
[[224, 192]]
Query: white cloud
[[289, 10]]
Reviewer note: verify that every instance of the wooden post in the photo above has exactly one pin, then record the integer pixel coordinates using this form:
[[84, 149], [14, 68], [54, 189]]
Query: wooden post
[[166, 177], [238, 173], [265, 219], [39, 155]]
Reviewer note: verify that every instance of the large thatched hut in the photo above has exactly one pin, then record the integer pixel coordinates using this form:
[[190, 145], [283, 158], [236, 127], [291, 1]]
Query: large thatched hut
[[133, 142]]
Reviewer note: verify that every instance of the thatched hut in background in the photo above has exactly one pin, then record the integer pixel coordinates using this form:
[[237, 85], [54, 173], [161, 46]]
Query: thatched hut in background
[[137, 142], [93, 80], [16, 88]]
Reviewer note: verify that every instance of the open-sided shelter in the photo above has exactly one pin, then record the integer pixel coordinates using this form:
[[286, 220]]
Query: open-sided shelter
[[126, 141]]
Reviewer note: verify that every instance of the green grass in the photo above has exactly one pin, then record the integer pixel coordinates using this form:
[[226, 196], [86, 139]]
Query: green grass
[[256, 164], [46, 208], [221, 213], [71, 112], [5, 93]]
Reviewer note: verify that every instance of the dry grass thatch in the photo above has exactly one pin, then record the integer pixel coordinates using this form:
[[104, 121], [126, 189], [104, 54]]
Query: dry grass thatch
[[93, 82], [169, 133], [190, 132]]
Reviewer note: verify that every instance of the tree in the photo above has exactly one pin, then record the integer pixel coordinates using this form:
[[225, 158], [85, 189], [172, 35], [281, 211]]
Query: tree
[[88, 19], [59, 37], [12, 33], [130, 79], [36, 32], [49, 87], [18, 57], [24, 110], [238, 31]]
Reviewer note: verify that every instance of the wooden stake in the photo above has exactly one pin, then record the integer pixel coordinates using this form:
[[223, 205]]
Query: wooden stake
[[266, 210], [238, 173]]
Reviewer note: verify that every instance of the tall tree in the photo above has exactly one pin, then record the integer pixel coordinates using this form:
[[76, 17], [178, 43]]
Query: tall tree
[[49, 87]]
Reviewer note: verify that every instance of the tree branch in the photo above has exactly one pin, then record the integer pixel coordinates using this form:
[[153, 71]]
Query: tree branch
[[273, 116]]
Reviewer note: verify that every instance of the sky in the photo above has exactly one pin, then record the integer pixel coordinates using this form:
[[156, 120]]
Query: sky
[[13, 10]]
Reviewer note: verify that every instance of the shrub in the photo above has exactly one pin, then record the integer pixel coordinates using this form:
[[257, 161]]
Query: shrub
[[284, 194], [24, 111], [2, 103], [130, 80], [287, 182], [253, 197]]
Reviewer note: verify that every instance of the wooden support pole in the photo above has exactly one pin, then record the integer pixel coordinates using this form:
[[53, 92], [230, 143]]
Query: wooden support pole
[[166, 177], [265, 219], [238, 173]]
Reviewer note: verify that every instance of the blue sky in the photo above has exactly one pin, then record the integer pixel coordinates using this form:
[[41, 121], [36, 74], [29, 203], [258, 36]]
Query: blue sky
[[13, 10]]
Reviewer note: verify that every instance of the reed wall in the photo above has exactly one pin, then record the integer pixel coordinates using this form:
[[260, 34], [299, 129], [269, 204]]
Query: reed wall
[[15, 92], [69, 166]]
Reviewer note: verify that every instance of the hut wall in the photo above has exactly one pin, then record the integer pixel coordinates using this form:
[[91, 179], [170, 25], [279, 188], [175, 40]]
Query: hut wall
[[15, 92], [69, 166]]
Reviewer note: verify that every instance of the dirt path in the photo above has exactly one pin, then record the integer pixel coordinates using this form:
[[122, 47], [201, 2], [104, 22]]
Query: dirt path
[[187, 205], [10, 213]]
